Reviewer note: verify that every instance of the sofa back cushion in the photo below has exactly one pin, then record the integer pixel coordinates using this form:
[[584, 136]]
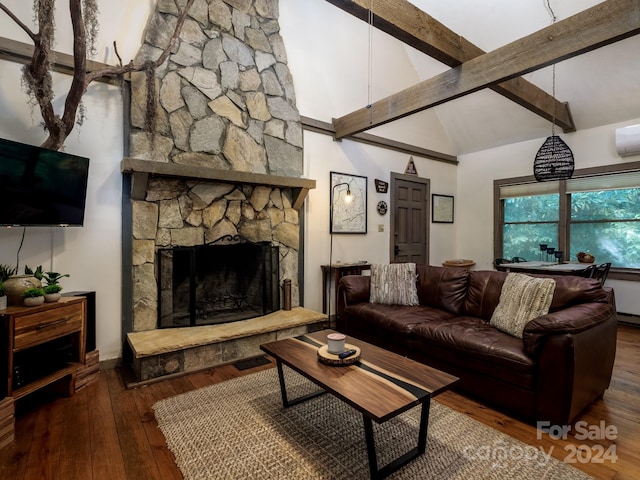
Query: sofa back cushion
[[485, 287], [572, 290], [442, 287], [483, 293]]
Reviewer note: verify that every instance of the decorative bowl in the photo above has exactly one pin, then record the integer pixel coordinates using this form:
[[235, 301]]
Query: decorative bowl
[[585, 257]]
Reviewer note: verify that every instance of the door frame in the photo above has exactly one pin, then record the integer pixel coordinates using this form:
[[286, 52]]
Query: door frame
[[392, 211]]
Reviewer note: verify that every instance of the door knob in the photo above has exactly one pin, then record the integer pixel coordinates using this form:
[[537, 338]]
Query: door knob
[[396, 250]]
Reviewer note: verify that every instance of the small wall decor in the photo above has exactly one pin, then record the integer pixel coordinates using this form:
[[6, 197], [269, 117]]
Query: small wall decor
[[411, 168], [441, 208], [382, 207], [348, 215], [381, 186]]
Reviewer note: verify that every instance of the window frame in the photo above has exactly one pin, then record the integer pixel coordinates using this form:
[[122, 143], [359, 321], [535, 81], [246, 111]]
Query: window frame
[[617, 273]]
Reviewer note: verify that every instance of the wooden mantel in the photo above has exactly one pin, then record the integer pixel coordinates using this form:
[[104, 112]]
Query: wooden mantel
[[140, 171]]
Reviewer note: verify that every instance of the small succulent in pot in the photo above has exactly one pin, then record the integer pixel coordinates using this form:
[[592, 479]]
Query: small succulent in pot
[[33, 292], [52, 288], [52, 292], [33, 297]]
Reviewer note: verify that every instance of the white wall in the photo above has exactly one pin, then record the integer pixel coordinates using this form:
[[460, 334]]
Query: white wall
[[321, 156], [592, 147]]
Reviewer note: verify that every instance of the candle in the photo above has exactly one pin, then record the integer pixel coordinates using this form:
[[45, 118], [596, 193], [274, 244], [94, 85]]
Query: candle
[[335, 342]]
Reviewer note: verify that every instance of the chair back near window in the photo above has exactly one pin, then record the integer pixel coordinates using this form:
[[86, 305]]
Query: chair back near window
[[601, 272], [589, 271], [500, 261]]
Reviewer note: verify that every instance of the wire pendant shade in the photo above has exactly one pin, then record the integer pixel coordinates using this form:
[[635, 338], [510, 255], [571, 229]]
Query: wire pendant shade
[[554, 160]]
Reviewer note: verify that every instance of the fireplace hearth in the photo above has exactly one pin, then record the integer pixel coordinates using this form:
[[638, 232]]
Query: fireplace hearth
[[214, 284]]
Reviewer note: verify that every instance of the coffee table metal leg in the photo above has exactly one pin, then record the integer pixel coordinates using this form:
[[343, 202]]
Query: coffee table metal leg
[[402, 460], [283, 390]]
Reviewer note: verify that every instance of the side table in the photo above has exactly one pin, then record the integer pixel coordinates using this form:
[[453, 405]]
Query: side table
[[334, 273]]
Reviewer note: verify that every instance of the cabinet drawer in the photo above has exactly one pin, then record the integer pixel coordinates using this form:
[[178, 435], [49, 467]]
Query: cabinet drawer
[[36, 328]]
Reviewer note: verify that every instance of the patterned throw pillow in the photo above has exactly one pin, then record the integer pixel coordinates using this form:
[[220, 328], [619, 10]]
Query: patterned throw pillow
[[522, 299], [394, 284]]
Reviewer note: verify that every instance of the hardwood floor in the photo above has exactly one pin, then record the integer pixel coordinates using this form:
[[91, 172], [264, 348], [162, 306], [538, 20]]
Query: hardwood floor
[[108, 432]]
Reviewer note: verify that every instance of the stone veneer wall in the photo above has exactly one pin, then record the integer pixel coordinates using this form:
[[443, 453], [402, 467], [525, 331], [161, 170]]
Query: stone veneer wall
[[225, 101]]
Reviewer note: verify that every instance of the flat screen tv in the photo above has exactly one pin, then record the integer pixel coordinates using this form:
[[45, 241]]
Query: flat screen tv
[[41, 187]]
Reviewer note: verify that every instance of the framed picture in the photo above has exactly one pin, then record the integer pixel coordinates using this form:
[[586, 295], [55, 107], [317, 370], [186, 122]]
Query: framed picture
[[441, 208], [348, 203]]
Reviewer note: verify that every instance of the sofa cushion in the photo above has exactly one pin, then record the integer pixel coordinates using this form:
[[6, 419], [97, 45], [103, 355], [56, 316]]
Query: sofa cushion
[[394, 284], [392, 318], [522, 299], [444, 288], [477, 346], [483, 293]]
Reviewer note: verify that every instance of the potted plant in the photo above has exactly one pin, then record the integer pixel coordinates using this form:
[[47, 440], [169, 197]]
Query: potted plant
[[36, 273], [33, 297], [52, 288], [15, 285], [6, 271], [52, 292], [53, 278], [3, 297]]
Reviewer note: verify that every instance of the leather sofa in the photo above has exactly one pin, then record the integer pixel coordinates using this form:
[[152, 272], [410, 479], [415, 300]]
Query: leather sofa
[[561, 365]]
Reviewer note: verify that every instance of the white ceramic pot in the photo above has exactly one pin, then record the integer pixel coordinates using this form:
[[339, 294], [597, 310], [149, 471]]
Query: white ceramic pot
[[52, 297], [33, 301]]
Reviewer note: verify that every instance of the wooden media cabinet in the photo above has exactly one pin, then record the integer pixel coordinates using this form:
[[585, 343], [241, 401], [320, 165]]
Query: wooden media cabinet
[[42, 345]]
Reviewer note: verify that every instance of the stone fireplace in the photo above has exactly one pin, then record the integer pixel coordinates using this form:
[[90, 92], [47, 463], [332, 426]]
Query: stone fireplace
[[224, 161]]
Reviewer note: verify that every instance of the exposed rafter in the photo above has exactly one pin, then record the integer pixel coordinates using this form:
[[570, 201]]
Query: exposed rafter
[[603, 24], [410, 25]]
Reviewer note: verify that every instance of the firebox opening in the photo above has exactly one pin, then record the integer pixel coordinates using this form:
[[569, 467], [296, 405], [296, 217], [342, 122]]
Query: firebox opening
[[214, 284]]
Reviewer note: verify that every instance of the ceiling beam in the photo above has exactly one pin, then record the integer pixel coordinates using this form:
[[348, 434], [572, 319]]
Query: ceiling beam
[[410, 25], [20, 52], [601, 25]]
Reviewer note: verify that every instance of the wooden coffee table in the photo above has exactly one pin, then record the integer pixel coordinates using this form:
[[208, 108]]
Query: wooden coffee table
[[380, 385]]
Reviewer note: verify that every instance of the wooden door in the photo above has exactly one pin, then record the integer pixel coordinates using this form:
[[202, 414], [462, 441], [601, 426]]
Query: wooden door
[[409, 219]]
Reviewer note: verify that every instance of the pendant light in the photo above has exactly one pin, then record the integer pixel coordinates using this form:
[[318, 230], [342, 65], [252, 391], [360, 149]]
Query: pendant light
[[554, 160]]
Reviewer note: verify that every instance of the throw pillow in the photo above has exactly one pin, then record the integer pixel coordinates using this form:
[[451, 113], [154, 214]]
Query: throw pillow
[[394, 284], [522, 299]]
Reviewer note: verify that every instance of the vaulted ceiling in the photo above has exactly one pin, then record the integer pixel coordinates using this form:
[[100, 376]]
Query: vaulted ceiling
[[490, 79]]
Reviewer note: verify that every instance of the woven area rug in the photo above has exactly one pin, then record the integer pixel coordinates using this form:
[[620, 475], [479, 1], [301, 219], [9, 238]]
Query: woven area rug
[[238, 429]]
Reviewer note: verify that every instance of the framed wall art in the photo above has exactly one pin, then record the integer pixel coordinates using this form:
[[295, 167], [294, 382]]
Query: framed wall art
[[348, 203], [441, 208]]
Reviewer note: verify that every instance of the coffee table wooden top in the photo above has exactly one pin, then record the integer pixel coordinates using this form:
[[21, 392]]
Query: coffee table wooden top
[[381, 384]]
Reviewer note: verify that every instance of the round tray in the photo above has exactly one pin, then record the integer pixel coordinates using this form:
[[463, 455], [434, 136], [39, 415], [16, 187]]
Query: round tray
[[332, 359]]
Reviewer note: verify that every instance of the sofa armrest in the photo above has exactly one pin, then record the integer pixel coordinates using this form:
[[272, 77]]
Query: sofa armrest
[[570, 320], [574, 369], [353, 289]]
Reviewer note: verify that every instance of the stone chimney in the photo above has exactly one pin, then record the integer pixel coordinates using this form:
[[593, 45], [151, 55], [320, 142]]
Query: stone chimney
[[225, 102]]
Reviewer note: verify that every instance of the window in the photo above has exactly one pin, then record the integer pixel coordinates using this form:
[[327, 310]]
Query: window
[[528, 222], [597, 211], [604, 218]]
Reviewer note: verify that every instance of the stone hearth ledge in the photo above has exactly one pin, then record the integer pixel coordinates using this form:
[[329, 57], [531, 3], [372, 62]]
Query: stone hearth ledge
[[166, 340]]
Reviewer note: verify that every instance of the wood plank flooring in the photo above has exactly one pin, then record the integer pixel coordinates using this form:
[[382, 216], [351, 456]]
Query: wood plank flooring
[[108, 432]]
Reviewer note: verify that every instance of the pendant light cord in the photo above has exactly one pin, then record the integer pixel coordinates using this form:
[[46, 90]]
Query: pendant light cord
[[370, 59], [547, 4]]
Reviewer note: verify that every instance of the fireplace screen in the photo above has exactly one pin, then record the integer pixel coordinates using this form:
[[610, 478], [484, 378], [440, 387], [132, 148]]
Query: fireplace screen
[[213, 284]]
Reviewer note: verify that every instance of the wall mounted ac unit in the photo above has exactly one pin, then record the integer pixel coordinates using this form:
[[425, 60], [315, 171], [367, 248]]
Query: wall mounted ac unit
[[628, 140]]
